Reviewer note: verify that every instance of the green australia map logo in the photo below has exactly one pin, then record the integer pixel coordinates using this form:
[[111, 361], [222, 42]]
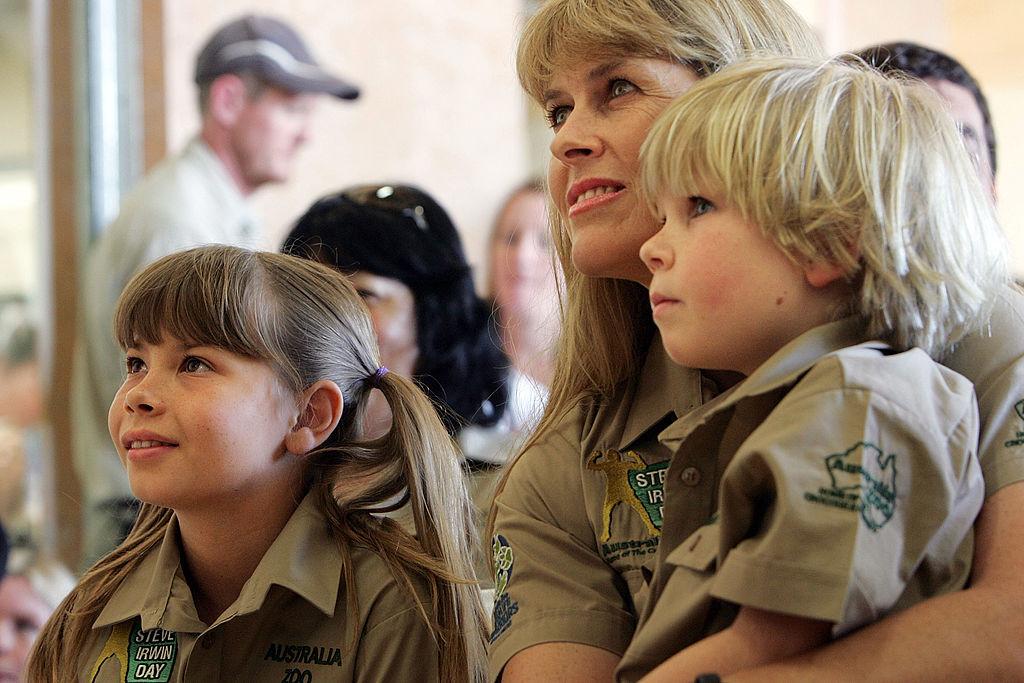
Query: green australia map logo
[[1019, 439], [863, 479]]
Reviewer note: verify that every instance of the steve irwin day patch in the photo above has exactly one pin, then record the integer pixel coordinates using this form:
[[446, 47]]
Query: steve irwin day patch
[[142, 655]]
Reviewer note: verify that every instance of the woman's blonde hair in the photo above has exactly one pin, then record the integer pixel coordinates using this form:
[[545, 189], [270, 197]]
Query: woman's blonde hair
[[308, 323], [606, 323], [837, 163]]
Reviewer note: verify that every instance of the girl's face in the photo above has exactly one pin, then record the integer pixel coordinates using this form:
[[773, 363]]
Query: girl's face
[[521, 267], [22, 615], [199, 427], [601, 112], [724, 296], [393, 312]]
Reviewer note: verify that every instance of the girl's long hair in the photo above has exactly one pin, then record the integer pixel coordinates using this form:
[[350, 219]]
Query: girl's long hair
[[309, 324]]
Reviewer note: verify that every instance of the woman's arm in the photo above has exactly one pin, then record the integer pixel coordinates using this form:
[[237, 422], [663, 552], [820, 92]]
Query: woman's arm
[[974, 634], [566, 662], [755, 637]]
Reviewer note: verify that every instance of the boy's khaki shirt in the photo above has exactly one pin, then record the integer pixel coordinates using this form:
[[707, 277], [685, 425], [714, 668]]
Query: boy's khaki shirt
[[563, 584], [849, 488], [290, 624]]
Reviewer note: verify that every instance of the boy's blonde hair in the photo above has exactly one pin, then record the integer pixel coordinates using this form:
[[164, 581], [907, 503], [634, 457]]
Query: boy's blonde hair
[[837, 163], [308, 323]]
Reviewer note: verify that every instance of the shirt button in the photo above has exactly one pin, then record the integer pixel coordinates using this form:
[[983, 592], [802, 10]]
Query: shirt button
[[207, 642], [690, 476]]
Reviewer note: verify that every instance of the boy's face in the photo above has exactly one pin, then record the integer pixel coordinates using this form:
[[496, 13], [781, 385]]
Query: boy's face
[[724, 296]]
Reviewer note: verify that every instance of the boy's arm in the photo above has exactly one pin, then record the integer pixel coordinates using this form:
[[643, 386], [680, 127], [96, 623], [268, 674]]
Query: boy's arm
[[974, 634], [755, 637]]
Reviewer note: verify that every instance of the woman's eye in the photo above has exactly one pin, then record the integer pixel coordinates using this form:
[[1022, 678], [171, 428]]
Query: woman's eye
[[557, 115], [133, 365], [699, 206], [194, 364], [366, 295], [620, 87]]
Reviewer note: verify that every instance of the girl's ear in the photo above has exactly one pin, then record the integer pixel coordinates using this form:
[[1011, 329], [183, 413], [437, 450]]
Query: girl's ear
[[821, 274], [320, 410]]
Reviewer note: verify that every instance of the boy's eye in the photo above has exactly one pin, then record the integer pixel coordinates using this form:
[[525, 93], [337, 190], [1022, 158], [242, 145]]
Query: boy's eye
[[194, 364], [620, 87], [134, 365], [699, 206]]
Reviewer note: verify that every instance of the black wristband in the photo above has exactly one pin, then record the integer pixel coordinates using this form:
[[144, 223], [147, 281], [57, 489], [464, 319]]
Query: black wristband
[[707, 678]]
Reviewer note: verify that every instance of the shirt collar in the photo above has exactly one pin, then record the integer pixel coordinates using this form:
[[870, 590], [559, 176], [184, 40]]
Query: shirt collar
[[783, 368], [664, 389], [304, 558]]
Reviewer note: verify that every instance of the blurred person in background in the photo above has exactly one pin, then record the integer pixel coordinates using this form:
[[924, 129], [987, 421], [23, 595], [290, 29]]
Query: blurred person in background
[[405, 257], [29, 593], [258, 84], [524, 291], [954, 84], [25, 459]]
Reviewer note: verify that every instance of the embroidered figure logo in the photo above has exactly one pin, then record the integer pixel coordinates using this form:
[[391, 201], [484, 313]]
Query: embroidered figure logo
[[116, 647], [1019, 439], [629, 480], [143, 655], [863, 480], [504, 607]]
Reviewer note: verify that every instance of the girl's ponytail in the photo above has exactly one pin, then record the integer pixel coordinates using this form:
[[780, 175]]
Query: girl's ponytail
[[416, 458]]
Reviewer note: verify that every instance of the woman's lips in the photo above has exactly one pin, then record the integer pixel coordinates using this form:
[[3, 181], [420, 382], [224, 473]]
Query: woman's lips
[[586, 203]]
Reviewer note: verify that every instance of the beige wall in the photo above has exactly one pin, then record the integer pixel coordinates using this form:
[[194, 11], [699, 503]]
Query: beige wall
[[983, 35], [441, 106]]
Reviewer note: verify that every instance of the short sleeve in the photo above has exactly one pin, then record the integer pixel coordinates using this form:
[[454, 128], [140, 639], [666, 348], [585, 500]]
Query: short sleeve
[[994, 361], [845, 501], [551, 582]]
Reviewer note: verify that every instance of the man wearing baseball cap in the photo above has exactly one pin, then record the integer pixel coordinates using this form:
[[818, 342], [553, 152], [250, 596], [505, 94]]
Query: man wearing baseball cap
[[258, 83]]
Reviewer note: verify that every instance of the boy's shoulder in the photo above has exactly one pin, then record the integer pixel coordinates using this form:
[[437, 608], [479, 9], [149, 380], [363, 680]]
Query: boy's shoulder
[[910, 381]]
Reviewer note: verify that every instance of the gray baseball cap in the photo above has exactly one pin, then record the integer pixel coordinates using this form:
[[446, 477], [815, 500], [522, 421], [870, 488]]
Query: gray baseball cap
[[273, 51]]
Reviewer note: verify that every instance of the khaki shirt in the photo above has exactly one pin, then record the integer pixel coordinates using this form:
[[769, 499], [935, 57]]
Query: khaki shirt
[[290, 624], [578, 521], [565, 585], [849, 485]]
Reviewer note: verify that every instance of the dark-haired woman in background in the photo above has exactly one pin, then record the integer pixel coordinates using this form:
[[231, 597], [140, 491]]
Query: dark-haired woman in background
[[405, 257]]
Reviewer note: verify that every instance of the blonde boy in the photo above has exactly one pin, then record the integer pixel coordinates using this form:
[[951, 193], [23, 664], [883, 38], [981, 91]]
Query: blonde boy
[[825, 236]]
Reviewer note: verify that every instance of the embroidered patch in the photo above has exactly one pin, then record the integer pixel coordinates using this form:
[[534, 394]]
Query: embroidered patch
[[629, 480], [1019, 439], [863, 480], [142, 655], [151, 654], [504, 607]]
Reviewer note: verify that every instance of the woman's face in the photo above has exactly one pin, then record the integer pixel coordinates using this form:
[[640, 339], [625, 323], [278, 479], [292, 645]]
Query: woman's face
[[22, 615], [393, 311], [521, 268], [600, 112]]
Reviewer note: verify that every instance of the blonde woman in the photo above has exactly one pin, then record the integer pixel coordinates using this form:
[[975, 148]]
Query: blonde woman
[[578, 522], [259, 553]]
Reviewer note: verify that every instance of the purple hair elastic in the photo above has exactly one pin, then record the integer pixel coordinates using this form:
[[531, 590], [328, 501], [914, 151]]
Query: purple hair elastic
[[376, 377]]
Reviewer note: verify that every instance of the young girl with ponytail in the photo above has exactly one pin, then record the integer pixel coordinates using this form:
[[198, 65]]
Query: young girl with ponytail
[[259, 553]]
